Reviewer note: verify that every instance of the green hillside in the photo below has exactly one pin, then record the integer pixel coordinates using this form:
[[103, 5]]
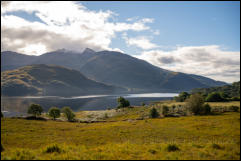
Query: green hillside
[[50, 80], [230, 91]]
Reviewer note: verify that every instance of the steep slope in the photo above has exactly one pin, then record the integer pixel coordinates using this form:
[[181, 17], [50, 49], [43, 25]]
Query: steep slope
[[12, 60], [50, 80], [120, 69]]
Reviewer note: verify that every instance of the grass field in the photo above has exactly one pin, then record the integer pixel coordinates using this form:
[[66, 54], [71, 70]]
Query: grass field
[[189, 137]]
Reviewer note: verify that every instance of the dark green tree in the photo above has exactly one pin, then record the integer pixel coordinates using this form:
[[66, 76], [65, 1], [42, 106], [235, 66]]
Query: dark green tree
[[68, 113], [54, 112], [122, 102], [165, 110], [195, 103], [182, 97], [215, 97], [35, 110], [154, 113]]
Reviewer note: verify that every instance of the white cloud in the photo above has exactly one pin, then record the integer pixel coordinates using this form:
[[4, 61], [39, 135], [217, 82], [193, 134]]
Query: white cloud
[[140, 42], [210, 61], [66, 24]]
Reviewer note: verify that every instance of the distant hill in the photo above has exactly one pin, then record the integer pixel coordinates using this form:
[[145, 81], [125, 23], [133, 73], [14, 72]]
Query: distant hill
[[116, 69], [50, 80], [230, 91]]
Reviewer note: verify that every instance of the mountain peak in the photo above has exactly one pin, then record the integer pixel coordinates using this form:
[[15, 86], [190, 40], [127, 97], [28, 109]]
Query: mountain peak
[[88, 50]]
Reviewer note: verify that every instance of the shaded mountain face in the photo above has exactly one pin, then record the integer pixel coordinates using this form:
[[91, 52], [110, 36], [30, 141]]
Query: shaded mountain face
[[120, 69], [50, 80]]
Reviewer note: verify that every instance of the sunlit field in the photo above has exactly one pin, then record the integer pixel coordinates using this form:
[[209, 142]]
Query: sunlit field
[[125, 136]]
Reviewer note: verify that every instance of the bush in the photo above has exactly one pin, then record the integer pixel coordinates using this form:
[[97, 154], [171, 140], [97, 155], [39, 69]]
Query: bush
[[165, 110], [215, 97], [53, 148], [143, 104], [35, 110], [68, 113], [206, 109], [154, 113], [195, 103], [234, 108], [54, 112], [122, 102], [2, 149], [216, 146], [235, 99], [172, 147]]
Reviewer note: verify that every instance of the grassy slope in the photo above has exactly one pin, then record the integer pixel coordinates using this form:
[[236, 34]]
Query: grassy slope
[[134, 139]]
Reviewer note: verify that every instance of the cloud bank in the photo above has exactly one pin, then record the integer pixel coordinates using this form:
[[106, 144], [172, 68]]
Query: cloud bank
[[210, 61], [67, 25]]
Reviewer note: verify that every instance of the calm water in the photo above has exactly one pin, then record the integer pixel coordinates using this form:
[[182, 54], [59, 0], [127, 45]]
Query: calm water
[[15, 106]]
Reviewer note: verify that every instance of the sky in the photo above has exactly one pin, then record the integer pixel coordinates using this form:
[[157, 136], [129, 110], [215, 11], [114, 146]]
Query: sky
[[192, 37]]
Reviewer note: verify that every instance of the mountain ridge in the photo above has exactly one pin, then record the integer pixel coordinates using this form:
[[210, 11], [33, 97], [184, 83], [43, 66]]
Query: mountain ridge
[[41, 79], [117, 69]]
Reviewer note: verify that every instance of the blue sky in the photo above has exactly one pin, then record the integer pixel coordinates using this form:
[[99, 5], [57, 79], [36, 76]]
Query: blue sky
[[192, 37], [183, 23]]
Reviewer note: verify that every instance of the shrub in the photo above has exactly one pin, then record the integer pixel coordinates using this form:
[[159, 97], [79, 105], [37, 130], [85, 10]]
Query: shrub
[[165, 110], [143, 104], [173, 107], [35, 110], [172, 147], [216, 146], [235, 99], [106, 116], [68, 113], [2, 149], [215, 97], [152, 151], [122, 102], [54, 112], [195, 103], [206, 109], [53, 148], [154, 113], [234, 108]]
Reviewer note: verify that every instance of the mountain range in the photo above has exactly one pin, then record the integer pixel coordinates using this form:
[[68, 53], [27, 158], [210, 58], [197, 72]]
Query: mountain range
[[113, 69]]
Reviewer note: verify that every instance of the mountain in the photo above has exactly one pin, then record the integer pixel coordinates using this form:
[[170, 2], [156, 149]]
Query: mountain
[[119, 69], [50, 80]]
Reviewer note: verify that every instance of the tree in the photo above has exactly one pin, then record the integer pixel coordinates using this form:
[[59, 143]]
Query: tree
[[165, 110], [182, 97], [206, 109], [1, 114], [35, 110], [54, 112], [68, 113], [214, 97], [122, 102], [195, 103], [154, 113]]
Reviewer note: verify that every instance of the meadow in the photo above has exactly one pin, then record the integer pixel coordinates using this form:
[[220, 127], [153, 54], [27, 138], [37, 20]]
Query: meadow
[[125, 134]]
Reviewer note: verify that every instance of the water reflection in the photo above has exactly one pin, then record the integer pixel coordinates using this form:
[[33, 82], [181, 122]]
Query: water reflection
[[12, 106]]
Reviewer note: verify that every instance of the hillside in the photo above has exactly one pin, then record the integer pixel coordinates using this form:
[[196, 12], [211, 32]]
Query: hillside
[[50, 80], [230, 91], [117, 69]]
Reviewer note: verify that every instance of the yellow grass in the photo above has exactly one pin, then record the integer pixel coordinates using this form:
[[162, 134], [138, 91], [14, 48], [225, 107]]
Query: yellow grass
[[197, 137]]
